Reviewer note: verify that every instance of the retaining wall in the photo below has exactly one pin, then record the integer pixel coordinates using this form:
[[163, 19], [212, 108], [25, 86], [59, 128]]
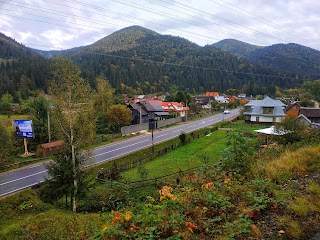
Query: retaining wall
[[127, 130]]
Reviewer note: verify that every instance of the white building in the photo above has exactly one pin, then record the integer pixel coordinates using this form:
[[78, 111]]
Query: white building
[[264, 111]]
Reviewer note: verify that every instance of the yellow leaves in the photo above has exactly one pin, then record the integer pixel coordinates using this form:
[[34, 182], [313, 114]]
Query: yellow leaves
[[282, 232], [165, 192], [128, 216], [151, 199], [227, 181], [104, 228]]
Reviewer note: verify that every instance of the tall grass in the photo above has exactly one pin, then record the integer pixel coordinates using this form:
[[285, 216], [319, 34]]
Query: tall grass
[[293, 163]]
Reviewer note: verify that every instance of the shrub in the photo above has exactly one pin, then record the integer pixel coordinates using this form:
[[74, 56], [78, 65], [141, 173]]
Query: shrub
[[237, 157]]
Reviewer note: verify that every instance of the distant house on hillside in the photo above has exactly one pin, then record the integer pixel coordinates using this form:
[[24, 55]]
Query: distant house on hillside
[[264, 111], [306, 122], [313, 114], [212, 94], [233, 99], [221, 99], [295, 110], [144, 111], [204, 101]]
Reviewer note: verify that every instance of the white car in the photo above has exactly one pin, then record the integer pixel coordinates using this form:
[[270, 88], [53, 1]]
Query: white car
[[226, 111]]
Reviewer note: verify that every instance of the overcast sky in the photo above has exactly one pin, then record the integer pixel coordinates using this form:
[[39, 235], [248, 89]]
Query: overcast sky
[[63, 24]]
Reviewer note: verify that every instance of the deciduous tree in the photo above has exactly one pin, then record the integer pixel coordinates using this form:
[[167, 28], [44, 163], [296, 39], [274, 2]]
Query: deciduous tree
[[119, 116], [73, 111], [6, 147]]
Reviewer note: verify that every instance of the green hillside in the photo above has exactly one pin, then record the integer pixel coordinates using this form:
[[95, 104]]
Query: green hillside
[[293, 58], [150, 62]]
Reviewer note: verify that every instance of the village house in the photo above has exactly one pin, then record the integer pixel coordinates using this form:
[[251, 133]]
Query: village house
[[204, 101], [145, 111], [295, 110], [264, 111], [221, 99], [212, 94]]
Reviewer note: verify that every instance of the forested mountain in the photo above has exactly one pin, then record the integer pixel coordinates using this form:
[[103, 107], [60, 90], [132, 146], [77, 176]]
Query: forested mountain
[[293, 58], [9, 48], [238, 48], [149, 62], [21, 70]]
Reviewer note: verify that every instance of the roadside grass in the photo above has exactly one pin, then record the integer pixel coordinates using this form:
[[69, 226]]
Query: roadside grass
[[19, 162], [26, 216], [184, 157], [190, 155], [293, 209]]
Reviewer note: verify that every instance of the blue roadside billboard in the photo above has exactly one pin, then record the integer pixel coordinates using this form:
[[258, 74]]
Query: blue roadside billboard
[[23, 128]]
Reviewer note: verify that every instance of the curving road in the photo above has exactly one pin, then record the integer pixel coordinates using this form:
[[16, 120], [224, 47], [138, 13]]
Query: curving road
[[14, 181]]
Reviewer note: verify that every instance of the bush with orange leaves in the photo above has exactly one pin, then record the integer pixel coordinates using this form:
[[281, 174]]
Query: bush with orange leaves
[[165, 193]]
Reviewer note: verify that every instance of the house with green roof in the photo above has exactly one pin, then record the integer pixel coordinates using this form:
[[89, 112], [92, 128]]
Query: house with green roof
[[267, 110]]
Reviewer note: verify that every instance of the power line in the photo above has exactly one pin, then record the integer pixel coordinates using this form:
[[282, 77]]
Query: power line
[[258, 18], [148, 9], [94, 21], [172, 64], [182, 65], [219, 18]]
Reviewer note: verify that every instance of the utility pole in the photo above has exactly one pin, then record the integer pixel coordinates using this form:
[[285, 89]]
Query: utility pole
[[152, 142], [49, 131], [186, 110]]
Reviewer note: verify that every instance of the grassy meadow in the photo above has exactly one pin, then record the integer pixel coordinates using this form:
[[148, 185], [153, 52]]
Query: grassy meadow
[[277, 198]]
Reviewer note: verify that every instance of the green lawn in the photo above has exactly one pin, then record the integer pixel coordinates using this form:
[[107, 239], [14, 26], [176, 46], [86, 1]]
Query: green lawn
[[190, 155]]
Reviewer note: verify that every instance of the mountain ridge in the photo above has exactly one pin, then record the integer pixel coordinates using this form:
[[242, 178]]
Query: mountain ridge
[[151, 62], [291, 57]]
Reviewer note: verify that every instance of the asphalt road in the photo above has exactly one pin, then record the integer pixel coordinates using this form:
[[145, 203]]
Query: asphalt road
[[16, 180]]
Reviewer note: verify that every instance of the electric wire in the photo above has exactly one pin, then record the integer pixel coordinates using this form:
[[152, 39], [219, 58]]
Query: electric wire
[[187, 7], [95, 21], [151, 10], [261, 19], [183, 65]]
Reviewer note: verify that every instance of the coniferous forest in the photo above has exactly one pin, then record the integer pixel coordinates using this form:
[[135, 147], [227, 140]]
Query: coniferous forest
[[149, 62]]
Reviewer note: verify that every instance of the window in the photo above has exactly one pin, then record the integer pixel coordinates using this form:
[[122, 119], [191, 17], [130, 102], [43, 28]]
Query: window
[[274, 119], [267, 110], [257, 119]]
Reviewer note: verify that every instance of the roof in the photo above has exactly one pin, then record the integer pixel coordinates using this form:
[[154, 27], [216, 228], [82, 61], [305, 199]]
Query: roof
[[310, 112], [272, 131], [258, 105], [291, 105], [138, 107], [220, 98], [162, 113], [301, 116], [150, 106], [156, 106], [266, 102], [212, 94], [52, 144]]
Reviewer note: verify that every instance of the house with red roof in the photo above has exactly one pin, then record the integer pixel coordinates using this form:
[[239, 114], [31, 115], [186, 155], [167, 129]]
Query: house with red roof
[[173, 108], [212, 94]]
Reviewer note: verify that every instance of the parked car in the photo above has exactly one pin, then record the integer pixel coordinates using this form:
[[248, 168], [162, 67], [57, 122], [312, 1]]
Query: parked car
[[226, 111]]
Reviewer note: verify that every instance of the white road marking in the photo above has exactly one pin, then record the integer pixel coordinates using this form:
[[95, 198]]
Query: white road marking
[[121, 148], [22, 178], [161, 135], [18, 189]]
